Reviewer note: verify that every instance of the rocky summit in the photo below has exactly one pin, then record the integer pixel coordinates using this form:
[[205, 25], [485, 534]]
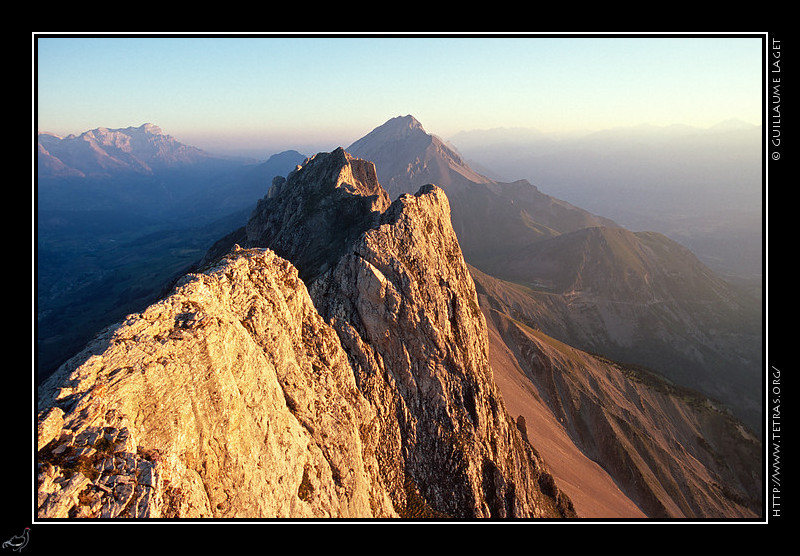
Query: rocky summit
[[329, 359]]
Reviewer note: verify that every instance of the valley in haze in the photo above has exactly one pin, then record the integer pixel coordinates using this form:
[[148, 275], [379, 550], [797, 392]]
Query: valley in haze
[[699, 186], [523, 346]]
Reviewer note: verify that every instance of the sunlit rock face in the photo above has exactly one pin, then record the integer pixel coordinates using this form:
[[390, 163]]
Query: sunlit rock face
[[228, 392], [405, 307], [241, 395]]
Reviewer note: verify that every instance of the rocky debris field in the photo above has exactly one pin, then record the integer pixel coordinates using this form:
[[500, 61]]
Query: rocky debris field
[[96, 472]]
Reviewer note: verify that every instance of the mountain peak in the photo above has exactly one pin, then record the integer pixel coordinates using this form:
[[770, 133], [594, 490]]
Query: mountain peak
[[105, 151], [407, 121], [151, 129], [311, 215], [355, 364], [146, 129], [400, 128], [407, 157]]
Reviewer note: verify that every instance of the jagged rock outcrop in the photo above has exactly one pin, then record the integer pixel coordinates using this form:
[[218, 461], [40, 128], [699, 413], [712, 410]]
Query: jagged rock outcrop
[[234, 397], [394, 285], [639, 298], [405, 307], [316, 214]]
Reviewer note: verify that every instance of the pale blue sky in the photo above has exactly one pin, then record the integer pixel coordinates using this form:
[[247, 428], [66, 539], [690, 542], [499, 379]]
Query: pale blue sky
[[280, 93]]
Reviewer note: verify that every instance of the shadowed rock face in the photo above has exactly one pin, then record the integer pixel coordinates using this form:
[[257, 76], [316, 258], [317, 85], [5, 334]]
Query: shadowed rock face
[[402, 300], [237, 396], [318, 211], [635, 297]]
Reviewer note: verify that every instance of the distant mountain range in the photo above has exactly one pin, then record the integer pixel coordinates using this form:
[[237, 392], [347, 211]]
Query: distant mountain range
[[148, 174], [105, 152], [699, 186]]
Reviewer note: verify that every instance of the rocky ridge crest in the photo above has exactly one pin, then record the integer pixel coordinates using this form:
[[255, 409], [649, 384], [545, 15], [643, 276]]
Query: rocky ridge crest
[[241, 395], [634, 297], [231, 389]]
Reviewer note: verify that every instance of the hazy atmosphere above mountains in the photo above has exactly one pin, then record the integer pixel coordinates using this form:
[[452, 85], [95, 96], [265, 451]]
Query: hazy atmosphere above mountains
[[466, 277], [267, 94]]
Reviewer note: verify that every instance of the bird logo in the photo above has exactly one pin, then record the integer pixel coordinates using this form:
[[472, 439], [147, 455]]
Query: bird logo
[[18, 542]]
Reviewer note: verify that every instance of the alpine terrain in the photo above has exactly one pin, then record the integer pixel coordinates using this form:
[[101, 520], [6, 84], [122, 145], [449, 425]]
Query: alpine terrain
[[362, 390], [122, 211], [392, 335], [640, 298]]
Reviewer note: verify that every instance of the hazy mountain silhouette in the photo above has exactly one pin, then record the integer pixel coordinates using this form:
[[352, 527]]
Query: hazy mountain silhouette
[[700, 187], [492, 219]]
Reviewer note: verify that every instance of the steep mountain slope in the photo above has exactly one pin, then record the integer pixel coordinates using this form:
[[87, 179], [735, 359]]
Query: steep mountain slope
[[421, 157], [233, 397], [348, 336], [489, 217], [700, 187], [218, 401], [643, 299], [639, 298], [393, 283], [670, 450]]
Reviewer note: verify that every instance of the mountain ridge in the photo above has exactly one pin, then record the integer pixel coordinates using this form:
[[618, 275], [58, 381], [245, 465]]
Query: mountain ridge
[[124, 232], [395, 266], [642, 299], [103, 150], [356, 422], [489, 217], [700, 187], [380, 146], [673, 451]]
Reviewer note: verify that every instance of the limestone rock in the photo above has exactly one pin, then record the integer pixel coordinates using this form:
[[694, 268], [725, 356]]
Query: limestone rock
[[312, 216], [407, 312], [237, 396], [49, 426], [404, 305], [229, 398]]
